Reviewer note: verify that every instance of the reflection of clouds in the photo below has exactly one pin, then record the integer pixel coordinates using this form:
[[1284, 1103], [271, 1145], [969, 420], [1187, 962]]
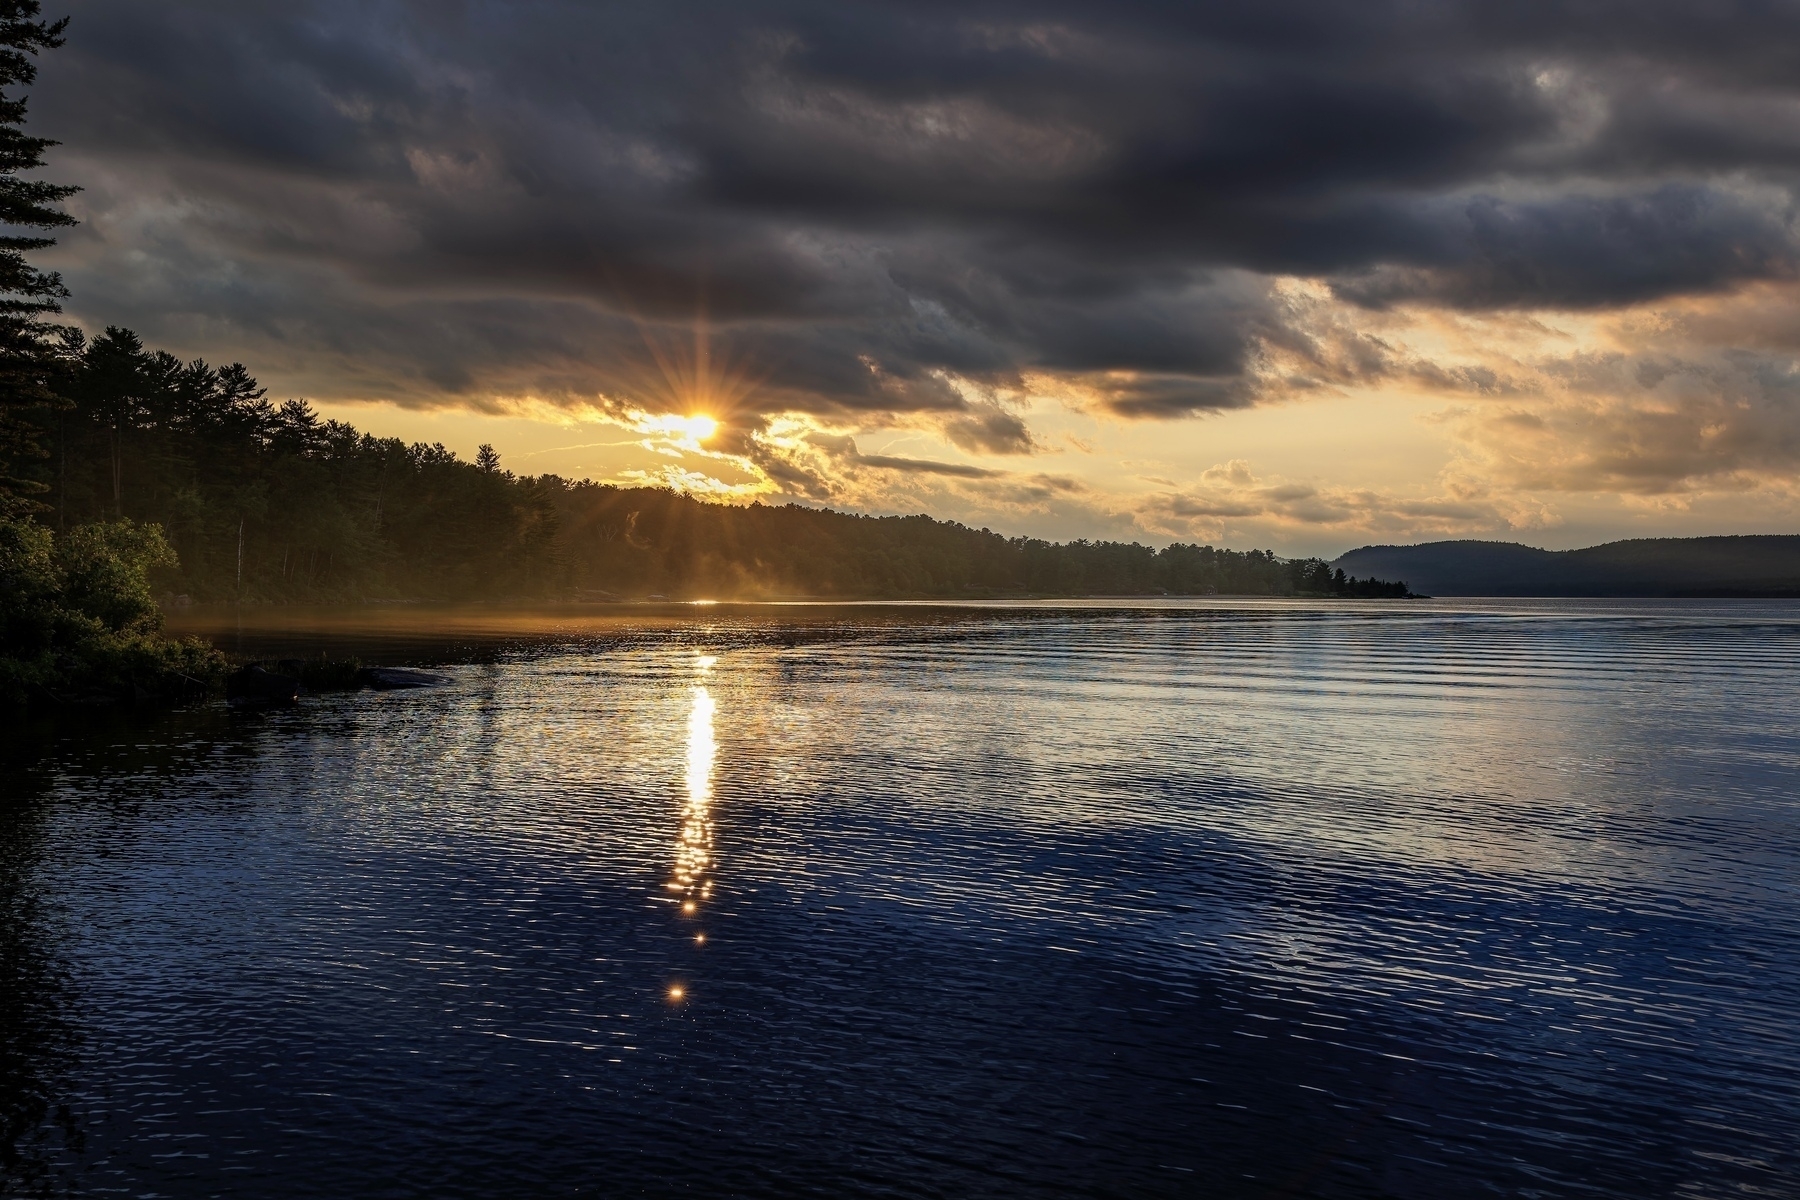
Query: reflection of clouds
[[693, 847]]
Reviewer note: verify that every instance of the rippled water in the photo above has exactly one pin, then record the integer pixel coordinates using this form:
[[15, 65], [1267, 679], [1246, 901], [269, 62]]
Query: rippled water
[[1229, 900]]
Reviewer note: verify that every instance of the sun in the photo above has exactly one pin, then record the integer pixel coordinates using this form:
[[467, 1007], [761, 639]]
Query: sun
[[689, 430]]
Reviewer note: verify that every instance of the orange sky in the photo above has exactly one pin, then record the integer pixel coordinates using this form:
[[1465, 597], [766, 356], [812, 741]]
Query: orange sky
[[1565, 441]]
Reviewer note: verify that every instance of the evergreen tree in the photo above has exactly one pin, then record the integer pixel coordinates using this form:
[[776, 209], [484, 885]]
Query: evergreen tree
[[28, 357]]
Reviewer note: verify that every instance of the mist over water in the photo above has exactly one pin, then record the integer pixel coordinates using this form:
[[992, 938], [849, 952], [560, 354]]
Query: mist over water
[[1217, 898]]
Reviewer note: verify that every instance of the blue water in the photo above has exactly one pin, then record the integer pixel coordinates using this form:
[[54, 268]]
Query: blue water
[[1260, 900]]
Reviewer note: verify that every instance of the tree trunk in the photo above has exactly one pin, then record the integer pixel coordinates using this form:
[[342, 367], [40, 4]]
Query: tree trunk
[[118, 470]]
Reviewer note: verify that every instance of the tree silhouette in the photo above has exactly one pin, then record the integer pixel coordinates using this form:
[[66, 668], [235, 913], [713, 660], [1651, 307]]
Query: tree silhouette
[[28, 297]]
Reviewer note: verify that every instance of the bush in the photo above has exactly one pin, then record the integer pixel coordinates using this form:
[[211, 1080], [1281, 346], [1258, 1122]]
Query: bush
[[78, 619], [106, 574]]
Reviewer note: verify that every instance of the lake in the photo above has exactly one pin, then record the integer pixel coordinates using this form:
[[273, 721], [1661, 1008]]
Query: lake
[[1217, 898]]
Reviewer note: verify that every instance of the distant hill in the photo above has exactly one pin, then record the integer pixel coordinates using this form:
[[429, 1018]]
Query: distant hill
[[1706, 566]]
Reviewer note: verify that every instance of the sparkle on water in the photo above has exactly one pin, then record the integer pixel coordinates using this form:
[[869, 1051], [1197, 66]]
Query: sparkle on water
[[1222, 899]]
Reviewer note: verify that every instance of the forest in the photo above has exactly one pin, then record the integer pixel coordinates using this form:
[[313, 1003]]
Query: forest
[[266, 503]]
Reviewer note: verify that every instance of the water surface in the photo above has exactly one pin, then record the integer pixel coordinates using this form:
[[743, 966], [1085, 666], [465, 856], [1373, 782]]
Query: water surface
[[1223, 899]]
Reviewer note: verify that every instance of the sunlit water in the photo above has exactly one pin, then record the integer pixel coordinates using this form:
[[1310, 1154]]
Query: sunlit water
[[1234, 900]]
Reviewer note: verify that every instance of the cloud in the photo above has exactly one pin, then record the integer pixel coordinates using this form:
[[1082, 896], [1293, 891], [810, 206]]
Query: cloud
[[1680, 397], [1230, 498], [990, 430], [983, 234], [1586, 251], [925, 467], [1646, 424], [443, 205]]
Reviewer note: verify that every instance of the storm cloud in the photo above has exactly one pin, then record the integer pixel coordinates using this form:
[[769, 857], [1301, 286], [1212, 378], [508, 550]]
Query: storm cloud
[[897, 208]]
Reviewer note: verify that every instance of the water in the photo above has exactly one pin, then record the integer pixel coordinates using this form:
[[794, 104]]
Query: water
[[1227, 899]]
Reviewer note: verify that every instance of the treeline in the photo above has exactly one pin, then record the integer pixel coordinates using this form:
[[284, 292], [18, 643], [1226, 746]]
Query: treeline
[[641, 541], [267, 503]]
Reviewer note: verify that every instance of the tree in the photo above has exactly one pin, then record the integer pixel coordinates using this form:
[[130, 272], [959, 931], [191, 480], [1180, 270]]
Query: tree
[[113, 383], [77, 616], [28, 296]]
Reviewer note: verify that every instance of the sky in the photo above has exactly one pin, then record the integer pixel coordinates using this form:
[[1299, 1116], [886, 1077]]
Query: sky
[[1271, 273]]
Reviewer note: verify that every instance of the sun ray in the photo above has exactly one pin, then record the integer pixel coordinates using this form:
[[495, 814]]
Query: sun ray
[[691, 390]]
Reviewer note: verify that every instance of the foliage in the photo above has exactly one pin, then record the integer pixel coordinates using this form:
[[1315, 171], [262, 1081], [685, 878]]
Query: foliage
[[267, 502], [78, 618], [27, 296], [643, 541]]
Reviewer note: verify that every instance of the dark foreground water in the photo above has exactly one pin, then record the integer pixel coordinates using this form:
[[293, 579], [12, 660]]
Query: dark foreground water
[[1262, 901]]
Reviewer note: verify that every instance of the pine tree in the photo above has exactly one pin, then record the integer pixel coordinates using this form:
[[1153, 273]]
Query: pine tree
[[28, 350]]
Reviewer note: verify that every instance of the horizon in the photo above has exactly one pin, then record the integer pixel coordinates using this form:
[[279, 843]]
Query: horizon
[[1160, 542], [1367, 279], [792, 597]]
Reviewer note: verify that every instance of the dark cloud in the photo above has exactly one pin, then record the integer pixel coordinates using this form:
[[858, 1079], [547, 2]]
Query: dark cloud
[[843, 450], [425, 201], [1583, 251], [990, 431], [922, 466]]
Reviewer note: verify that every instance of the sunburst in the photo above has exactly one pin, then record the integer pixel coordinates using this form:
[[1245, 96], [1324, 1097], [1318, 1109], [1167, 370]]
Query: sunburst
[[693, 394]]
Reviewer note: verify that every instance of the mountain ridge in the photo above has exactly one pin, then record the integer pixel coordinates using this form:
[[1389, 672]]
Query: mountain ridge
[[1746, 565]]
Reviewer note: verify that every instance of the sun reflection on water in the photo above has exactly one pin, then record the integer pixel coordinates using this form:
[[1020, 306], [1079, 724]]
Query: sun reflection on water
[[694, 845]]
